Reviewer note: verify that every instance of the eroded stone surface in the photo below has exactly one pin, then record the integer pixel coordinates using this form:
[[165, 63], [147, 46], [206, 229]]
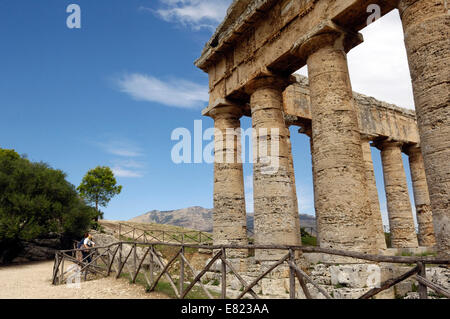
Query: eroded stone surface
[[426, 24], [401, 222], [342, 203], [421, 198]]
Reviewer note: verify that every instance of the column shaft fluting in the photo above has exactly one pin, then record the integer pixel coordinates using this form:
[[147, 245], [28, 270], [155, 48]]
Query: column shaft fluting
[[342, 202], [421, 198], [229, 221], [401, 222], [373, 195], [274, 201], [426, 25]]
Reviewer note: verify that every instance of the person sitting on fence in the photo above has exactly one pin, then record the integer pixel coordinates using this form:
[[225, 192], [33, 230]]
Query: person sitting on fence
[[80, 245], [88, 243]]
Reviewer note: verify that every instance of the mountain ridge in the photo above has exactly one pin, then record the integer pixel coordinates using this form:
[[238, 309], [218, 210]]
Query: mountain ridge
[[200, 218]]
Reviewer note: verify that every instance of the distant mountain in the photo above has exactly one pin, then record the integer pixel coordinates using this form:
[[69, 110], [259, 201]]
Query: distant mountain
[[200, 218], [196, 217]]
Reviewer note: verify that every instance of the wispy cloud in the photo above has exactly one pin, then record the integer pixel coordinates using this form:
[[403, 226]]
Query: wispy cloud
[[125, 152], [120, 147], [126, 173], [196, 14], [174, 92], [129, 168]]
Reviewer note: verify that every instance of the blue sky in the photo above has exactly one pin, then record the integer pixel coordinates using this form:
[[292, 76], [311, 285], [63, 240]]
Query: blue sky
[[112, 92]]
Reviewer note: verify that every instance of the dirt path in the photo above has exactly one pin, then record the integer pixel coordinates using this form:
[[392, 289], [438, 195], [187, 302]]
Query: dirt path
[[33, 281]]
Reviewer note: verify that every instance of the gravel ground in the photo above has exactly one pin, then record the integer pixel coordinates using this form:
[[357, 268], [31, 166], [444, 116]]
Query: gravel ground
[[33, 281]]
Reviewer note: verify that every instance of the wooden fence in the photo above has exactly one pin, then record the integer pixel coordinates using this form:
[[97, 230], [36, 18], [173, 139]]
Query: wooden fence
[[102, 261], [153, 235]]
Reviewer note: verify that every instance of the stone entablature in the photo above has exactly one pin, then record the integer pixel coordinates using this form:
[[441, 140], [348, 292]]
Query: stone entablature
[[377, 119], [261, 35]]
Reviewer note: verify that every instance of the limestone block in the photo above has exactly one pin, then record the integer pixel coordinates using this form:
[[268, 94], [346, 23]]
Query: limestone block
[[349, 293], [439, 276], [355, 276], [403, 288], [273, 287]]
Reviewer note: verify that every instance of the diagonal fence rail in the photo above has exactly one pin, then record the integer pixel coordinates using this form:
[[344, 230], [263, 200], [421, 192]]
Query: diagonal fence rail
[[156, 235], [123, 259]]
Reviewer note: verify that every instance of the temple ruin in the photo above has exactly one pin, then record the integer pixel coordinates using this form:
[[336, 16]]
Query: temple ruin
[[250, 61]]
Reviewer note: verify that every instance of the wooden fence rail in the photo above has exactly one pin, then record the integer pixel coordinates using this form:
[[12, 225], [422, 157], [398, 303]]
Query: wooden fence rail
[[123, 259], [156, 235]]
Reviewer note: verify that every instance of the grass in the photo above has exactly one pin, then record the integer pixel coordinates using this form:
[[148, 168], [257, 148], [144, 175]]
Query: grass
[[307, 238], [164, 287]]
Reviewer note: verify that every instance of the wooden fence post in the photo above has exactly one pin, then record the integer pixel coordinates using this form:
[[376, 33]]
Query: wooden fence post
[[291, 275], [423, 294], [224, 274], [151, 264], [135, 259], [181, 271]]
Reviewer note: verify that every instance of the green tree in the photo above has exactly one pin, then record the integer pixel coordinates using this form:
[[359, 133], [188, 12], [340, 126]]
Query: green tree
[[36, 200], [98, 187]]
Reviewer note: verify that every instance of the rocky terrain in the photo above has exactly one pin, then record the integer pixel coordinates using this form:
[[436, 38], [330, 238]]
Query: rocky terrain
[[200, 218]]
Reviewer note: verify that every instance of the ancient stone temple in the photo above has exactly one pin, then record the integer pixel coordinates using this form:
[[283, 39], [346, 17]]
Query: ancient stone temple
[[250, 61]]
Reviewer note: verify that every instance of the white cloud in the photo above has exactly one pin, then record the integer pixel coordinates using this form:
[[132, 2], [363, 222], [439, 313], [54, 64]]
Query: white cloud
[[175, 92], [126, 173], [196, 14], [125, 152], [121, 147], [379, 66]]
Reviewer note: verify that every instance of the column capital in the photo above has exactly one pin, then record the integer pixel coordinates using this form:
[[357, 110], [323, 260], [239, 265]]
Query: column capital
[[326, 34], [223, 108], [306, 129], [268, 80], [366, 138], [413, 149], [384, 144]]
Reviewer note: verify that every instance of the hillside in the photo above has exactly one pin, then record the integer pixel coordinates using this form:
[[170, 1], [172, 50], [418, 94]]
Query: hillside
[[200, 218]]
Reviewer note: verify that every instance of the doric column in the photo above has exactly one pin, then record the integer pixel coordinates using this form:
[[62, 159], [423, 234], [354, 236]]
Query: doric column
[[373, 195], [426, 26], [421, 197], [229, 221], [342, 202], [273, 187], [401, 222]]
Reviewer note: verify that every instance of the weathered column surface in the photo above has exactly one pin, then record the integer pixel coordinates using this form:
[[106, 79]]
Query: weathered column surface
[[426, 25], [273, 186], [342, 202], [421, 197], [401, 222], [229, 221], [377, 221]]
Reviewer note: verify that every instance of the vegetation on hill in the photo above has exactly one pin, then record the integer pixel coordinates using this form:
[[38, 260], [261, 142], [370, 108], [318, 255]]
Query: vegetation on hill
[[35, 201]]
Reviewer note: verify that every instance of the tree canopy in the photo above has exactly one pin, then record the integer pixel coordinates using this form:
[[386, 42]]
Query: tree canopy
[[36, 200], [99, 186]]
